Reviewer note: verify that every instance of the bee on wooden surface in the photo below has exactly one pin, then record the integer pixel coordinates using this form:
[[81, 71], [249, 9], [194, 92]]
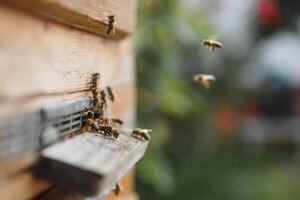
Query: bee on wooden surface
[[117, 189], [107, 128], [100, 101], [110, 93], [111, 23], [90, 122], [211, 44], [204, 79], [141, 133], [103, 97], [96, 95], [95, 81], [115, 133]]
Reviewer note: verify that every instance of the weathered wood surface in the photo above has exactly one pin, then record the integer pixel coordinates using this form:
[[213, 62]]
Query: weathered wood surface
[[90, 163], [126, 194], [45, 62], [89, 15]]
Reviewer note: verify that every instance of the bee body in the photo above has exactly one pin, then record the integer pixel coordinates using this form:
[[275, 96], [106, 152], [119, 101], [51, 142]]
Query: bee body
[[110, 93], [117, 189], [204, 79], [111, 23], [117, 121], [141, 133], [211, 44]]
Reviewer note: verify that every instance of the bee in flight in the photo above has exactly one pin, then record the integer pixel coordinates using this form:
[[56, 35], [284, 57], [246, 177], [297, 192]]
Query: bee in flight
[[204, 79], [111, 23], [211, 44], [142, 134]]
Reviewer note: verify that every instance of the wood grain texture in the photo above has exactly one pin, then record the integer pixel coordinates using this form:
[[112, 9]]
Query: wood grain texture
[[91, 163], [46, 62], [89, 15]]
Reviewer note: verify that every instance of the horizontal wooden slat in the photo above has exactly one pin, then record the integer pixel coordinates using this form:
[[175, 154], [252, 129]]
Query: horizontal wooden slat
[[91, 163], [89, 15]]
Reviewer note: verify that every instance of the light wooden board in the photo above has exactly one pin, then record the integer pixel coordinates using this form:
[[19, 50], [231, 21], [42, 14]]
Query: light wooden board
[[44, 62], [89, 15], [91, 163]]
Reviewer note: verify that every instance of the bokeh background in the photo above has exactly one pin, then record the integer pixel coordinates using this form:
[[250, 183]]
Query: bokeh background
[[240, 139]]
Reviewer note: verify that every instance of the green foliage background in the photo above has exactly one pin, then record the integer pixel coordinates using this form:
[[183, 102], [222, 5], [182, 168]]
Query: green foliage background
[[186, 159]]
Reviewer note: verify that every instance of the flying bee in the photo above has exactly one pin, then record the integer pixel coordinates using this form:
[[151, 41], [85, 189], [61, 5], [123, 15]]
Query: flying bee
[[211, 44], [117, 121], [204, 79], [111, 23], [117, 189], [141, 133], [110, 93]]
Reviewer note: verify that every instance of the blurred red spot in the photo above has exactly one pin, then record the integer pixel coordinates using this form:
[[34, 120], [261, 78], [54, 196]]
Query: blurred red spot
[[225, 120], [268, 13]]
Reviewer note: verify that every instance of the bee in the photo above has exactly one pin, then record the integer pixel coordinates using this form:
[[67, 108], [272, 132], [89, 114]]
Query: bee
[[141, 133], [117, 189], [110, 93], [114, 133], [111, 23], [103, 97], [91, 123], [107, 128], [211, 44], [204, 79], [95, 81], [117, 121]]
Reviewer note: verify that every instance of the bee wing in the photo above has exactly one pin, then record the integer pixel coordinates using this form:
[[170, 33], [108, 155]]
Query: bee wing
[[211, 77], [217, 44], [206, 84]]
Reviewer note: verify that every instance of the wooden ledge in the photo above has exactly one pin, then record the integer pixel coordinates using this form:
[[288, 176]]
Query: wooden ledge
[[89, 15]]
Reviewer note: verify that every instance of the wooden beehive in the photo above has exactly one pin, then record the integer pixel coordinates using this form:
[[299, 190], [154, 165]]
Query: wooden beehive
[[49, 50]]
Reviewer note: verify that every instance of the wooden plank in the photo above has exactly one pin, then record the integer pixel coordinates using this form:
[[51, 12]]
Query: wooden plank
[[91, 163], [126, 194], [14, 166], [22, 186], [87, 15], [47, 53], [127, 184]]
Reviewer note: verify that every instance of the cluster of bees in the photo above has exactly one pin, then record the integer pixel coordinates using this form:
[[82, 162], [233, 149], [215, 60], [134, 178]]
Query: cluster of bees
[[96, 122], [206, 79]]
